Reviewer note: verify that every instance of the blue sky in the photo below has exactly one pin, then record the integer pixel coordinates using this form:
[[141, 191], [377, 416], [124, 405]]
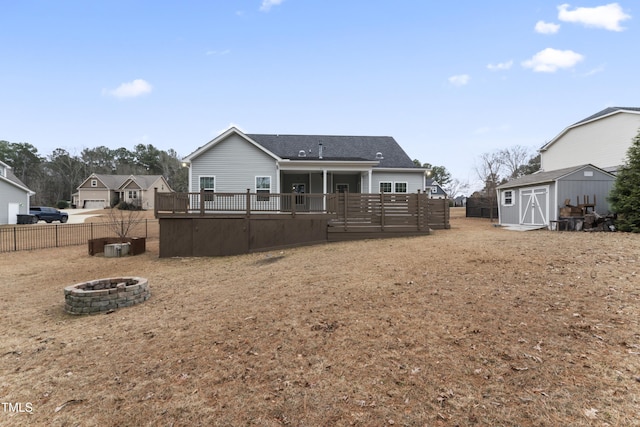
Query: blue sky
[[449, 80]]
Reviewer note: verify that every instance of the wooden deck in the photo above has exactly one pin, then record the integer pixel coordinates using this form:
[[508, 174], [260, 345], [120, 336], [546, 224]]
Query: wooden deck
[[230, 223]]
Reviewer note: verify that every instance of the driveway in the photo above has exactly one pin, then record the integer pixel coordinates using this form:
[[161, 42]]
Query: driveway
[[77, 216]]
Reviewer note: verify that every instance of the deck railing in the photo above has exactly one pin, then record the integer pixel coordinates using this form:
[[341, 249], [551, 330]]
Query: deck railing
[[205, 202], [348, 210]]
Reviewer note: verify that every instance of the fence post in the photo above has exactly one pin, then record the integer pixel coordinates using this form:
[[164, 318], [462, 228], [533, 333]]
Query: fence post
[[56, 235], [293, 204], [91, 233], [155, 202], [146, 228], [15, 240]]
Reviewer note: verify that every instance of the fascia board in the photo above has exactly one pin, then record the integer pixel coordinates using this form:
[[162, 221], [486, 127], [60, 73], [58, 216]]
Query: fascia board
[[325, 164]]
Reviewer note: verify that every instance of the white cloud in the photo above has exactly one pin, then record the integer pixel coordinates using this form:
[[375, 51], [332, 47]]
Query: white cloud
[[267, 4], [135, 88], [597, 70], [500, 66], [550, 60], [459, 80], [546, 27], [608, 16]]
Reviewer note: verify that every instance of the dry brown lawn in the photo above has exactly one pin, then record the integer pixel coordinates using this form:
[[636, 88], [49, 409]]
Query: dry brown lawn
[[470, 326]]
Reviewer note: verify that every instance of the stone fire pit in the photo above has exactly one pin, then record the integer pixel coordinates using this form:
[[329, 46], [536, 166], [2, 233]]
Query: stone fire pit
[[105, 294]]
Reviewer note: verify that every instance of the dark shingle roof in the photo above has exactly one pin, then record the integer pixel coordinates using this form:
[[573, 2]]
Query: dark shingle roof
[[606, 111], [362, 148]]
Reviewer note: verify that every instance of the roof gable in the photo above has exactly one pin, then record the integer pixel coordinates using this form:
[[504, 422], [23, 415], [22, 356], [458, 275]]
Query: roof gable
[[9, 177], [607, 112], [226, 134]]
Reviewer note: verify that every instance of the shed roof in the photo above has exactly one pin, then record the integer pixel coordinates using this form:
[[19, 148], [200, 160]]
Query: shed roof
[[548, 176], [13, 179]]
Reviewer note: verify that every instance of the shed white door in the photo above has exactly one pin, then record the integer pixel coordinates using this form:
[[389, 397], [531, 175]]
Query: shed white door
[[534, 206]]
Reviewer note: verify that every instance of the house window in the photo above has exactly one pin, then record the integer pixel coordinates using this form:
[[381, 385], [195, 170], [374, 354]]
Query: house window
[[401, 187], [263, 186], [208, 185], [94, 182], [434, 189], [133, 195], [507, 198], [385, 187]]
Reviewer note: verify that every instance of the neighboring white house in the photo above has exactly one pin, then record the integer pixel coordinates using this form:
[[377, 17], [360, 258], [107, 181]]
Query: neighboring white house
[[601, 140], [102, 191], [536, 199], [14, 196], [234, 162]]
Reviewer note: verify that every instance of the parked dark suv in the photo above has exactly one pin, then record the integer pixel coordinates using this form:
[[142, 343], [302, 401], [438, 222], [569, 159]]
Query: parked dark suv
[[42, 213]]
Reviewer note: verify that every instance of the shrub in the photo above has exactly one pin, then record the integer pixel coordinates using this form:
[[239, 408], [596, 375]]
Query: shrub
[[62, 204]]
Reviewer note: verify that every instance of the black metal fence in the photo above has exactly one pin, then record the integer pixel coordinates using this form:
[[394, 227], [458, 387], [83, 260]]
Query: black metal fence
[[35, 236], [482, 207]]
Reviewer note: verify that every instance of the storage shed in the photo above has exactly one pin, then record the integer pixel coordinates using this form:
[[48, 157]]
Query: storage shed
[[536, 199]]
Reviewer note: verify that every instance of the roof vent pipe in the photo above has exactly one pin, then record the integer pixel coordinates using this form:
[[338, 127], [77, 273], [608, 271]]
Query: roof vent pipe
[[320, 150], [302, 153], [379, 156]]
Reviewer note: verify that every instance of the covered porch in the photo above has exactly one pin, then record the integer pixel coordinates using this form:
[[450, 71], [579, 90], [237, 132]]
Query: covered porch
[[324, 177]]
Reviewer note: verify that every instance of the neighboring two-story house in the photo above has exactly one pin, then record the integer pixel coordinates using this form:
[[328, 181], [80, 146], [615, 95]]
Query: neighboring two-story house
[[601, 140]]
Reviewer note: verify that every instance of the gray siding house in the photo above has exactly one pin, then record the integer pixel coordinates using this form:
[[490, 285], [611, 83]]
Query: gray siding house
[[14, 196], [536, 199], [434, 190], [234, 162]]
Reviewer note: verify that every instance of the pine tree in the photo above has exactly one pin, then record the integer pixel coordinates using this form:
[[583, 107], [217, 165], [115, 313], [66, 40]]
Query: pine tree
[[625, 195]]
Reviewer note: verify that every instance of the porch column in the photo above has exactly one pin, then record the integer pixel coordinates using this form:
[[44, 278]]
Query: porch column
[[324, 189], [370, 179]]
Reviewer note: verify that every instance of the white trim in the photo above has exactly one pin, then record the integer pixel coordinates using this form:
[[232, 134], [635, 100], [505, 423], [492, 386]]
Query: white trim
[[395, 187], [215, 182], [534, 192], [503, 201], [385, 182]]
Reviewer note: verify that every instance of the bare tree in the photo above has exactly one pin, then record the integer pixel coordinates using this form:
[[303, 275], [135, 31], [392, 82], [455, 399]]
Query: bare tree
[[514, 159], [121, 221], [489, 170], [456, 187]]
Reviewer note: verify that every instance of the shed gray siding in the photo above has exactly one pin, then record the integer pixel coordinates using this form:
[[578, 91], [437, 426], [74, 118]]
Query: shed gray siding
[[235, 163], [577, 185], [12, 194]]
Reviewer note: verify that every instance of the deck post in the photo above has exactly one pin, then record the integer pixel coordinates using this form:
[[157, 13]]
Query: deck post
[[382, 211], [202, 201], [293, 204], [248, 203], [346, 198], [418, 207]]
